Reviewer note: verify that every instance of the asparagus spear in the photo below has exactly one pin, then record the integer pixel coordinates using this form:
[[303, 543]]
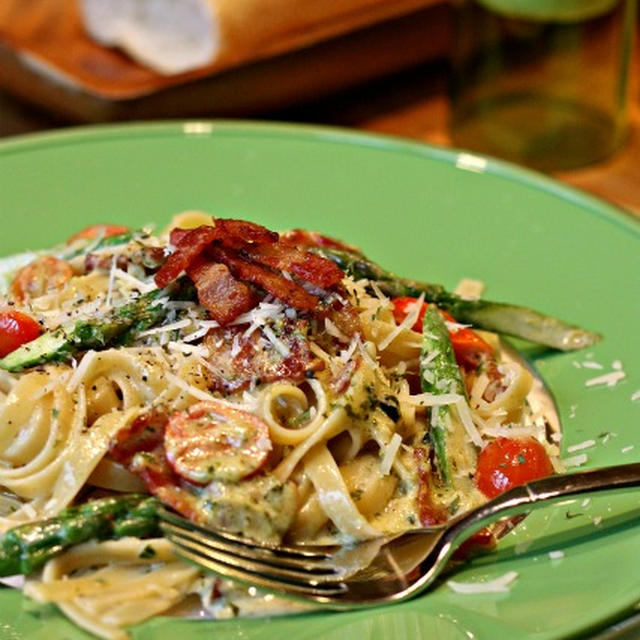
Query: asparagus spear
[[509, 319], [25, 549], [118, 327], [440, 374]]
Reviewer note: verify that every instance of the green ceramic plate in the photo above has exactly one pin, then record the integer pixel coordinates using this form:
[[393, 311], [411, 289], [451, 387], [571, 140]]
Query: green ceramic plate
[[426, 213]]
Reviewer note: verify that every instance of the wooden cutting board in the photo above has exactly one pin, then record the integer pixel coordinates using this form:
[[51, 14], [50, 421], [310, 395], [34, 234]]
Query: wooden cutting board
[[47, 58]]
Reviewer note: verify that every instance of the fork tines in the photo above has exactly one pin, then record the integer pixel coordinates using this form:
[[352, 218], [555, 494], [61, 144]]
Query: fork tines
[[304, 571]]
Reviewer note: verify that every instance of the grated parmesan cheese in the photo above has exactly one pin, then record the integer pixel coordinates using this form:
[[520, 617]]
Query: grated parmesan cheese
[[581, 445], [433, 399], [467, 422], [333, 331], [609, 379], [165, 328], [390, 454], [347, 354], [199, 393], [188, 349], [469, 289], [143, 287], [498, 585], [196, 335], [112, 279], [575, 461], [408, 322], [279, 345]]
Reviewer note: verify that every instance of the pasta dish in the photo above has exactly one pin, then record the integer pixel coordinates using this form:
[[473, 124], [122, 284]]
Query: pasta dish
[[280, 386]]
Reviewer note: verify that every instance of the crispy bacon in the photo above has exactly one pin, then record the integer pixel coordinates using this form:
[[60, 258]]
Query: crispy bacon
[[224, 297], [190, 246], [344, 316], [237, 233], [145, 433], [305, 265], [251, 254], [164, 483], [238, 361], [176, 235], [233, 233], [304, 238], [429, 513], [289, 292]]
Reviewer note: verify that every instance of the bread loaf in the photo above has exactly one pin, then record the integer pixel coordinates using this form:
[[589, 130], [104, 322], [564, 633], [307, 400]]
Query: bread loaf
[[176, 36]]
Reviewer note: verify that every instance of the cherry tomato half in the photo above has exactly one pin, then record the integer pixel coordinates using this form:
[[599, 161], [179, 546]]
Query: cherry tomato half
[[95, 230], [212, 441], [468, 346], [16, 329], [508, 462], [43, 275]]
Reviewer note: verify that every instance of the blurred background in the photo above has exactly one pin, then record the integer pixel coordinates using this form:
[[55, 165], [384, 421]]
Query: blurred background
[[436, 71]]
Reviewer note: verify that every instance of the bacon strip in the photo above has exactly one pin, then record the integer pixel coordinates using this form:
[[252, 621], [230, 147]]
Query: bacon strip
[[189, 247], [304, 238], [308, 266], [192, 242], [237, 361], [289, 292], [224, 297], [237, 233], [176, 235]]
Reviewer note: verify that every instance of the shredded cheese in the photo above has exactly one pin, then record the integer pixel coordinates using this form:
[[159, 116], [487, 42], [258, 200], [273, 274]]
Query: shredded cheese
[[575, 461], [581, 445], [143, 287], [406, 324], [433, 399], [469, 289], [333, 331], [390, 454], [498, 585], [279, 345], [608, 379], [467, 422], [165, 328], [188, 349]]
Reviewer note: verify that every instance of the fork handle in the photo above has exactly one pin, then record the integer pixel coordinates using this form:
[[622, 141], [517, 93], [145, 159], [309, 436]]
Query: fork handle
[[538, 493]]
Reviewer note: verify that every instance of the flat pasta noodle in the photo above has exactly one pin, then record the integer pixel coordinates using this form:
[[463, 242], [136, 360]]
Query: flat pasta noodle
[[332, 432], [106, 586]]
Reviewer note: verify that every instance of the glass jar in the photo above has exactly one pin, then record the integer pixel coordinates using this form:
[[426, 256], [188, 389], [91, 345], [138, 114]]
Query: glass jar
[[542, 82]]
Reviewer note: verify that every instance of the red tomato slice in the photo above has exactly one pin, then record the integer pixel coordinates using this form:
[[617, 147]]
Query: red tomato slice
[[16, 329], [212, 441], [95, 230], [468, 346], [506, 463], [43, 275]]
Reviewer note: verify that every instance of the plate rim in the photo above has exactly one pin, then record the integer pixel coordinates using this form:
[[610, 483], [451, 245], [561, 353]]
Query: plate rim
[[175, 129], [189, 128]]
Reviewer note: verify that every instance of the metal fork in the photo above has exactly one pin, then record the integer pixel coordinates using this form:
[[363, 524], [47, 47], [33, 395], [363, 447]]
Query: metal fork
[[381, 570]]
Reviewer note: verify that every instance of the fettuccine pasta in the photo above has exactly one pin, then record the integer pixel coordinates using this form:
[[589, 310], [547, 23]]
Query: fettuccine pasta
[[245, 381]]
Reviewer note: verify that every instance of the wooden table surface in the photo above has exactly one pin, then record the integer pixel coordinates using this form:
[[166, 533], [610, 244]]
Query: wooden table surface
[[411, 104]]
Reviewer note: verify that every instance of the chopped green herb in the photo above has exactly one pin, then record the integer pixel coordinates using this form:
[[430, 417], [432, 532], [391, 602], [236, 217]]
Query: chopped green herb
[[148, 552]]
